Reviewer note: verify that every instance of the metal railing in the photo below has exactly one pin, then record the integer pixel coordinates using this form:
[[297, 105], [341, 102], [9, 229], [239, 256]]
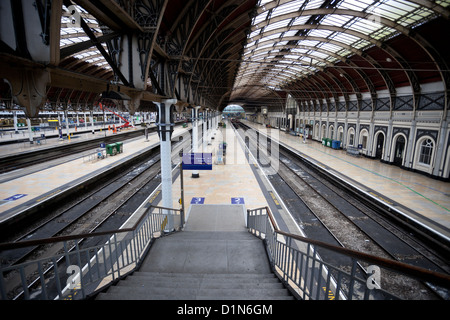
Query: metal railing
[[302, 264], [83, 263]]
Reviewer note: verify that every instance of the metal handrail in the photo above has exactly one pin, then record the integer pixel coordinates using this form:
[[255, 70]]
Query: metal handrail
[[439, 279], [38, 242], [97, 265]]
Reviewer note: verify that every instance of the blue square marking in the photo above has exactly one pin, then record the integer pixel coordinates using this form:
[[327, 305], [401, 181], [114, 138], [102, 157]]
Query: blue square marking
[[198, 200], [237, 200]]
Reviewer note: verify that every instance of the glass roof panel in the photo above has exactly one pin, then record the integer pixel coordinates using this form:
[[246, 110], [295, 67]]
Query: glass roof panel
[[287, 8], [317, 47], [71, 35]]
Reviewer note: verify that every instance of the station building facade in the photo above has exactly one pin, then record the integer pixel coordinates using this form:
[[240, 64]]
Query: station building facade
[[408, 131]]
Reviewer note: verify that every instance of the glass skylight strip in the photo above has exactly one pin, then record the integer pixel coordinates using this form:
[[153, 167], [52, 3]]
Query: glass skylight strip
[[287, 8], [314, 4], [276, 25]]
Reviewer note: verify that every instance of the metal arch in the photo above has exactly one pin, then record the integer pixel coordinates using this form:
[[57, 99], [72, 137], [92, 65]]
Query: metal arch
[[328, 79], [432, 5], [325, 11], [438, 9], [235, 43], [305, 90], [319, 27], [384, 21], [181, 32], [352, 65], [383, 74]]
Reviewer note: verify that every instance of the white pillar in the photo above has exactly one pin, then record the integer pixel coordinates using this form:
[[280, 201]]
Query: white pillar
[[165, 134], [16, 130], [205, 130], [67, 124], [92, 122], [195, 173], [30, 133]]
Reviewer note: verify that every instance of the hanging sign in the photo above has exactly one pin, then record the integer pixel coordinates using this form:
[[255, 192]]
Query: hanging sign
[[197, 161]]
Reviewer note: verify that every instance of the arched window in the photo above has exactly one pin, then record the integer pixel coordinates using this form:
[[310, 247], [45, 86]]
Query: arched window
[[363, 137], [426, 150], [340, 134], [351, 137]]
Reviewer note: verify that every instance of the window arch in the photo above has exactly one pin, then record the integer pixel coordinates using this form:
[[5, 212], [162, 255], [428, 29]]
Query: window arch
[[340, 136], [426, 151], [363, 138], [351, 137]]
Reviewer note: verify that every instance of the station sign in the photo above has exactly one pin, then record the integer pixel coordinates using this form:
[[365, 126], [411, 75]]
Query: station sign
[[197, 161]]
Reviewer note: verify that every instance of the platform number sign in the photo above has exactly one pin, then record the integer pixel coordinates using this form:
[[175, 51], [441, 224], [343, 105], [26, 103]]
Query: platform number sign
[[237, 201]]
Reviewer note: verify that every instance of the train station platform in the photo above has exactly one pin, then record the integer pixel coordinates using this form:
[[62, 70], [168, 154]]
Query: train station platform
[[31, 186], [234, 180], [12, 143], [424, 198]]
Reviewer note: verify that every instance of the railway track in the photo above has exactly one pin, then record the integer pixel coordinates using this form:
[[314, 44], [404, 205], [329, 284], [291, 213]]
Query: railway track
[[328, 213], [88, 212], [105, 208], [22, 160]]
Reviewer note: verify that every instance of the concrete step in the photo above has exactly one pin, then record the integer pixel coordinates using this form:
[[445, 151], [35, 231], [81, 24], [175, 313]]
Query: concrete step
[[147, 293], [242, 276], [199, 283], [110, 296], [196, 286]]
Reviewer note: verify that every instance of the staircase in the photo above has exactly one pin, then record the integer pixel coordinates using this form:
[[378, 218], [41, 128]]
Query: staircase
[[184, 286], [200, 264]]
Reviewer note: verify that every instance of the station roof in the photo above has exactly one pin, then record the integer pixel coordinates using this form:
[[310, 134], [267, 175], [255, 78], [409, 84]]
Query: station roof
[[257, 52]]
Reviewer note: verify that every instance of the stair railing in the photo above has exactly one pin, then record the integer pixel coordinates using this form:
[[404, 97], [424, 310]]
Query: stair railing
[[302, 265], [84, 263]]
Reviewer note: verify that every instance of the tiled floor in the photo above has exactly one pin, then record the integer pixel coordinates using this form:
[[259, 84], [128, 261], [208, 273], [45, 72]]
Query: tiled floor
[[234, 179]]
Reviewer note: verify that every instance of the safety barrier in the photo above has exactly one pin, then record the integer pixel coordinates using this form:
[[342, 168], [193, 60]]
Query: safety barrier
[[297, 261], [84, 263]]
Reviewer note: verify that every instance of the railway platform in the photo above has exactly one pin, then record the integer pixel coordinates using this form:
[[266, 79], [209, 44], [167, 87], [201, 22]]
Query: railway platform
[[31, 186], [11, 143], [425, 199]]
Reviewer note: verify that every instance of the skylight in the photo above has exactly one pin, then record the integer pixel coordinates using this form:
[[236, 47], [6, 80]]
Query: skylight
[[317, 33]]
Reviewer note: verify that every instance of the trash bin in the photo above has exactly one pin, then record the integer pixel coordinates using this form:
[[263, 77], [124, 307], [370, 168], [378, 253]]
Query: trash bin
[[336, 144], [324, 141], [328, 142], [119, 147], [111, 149]]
